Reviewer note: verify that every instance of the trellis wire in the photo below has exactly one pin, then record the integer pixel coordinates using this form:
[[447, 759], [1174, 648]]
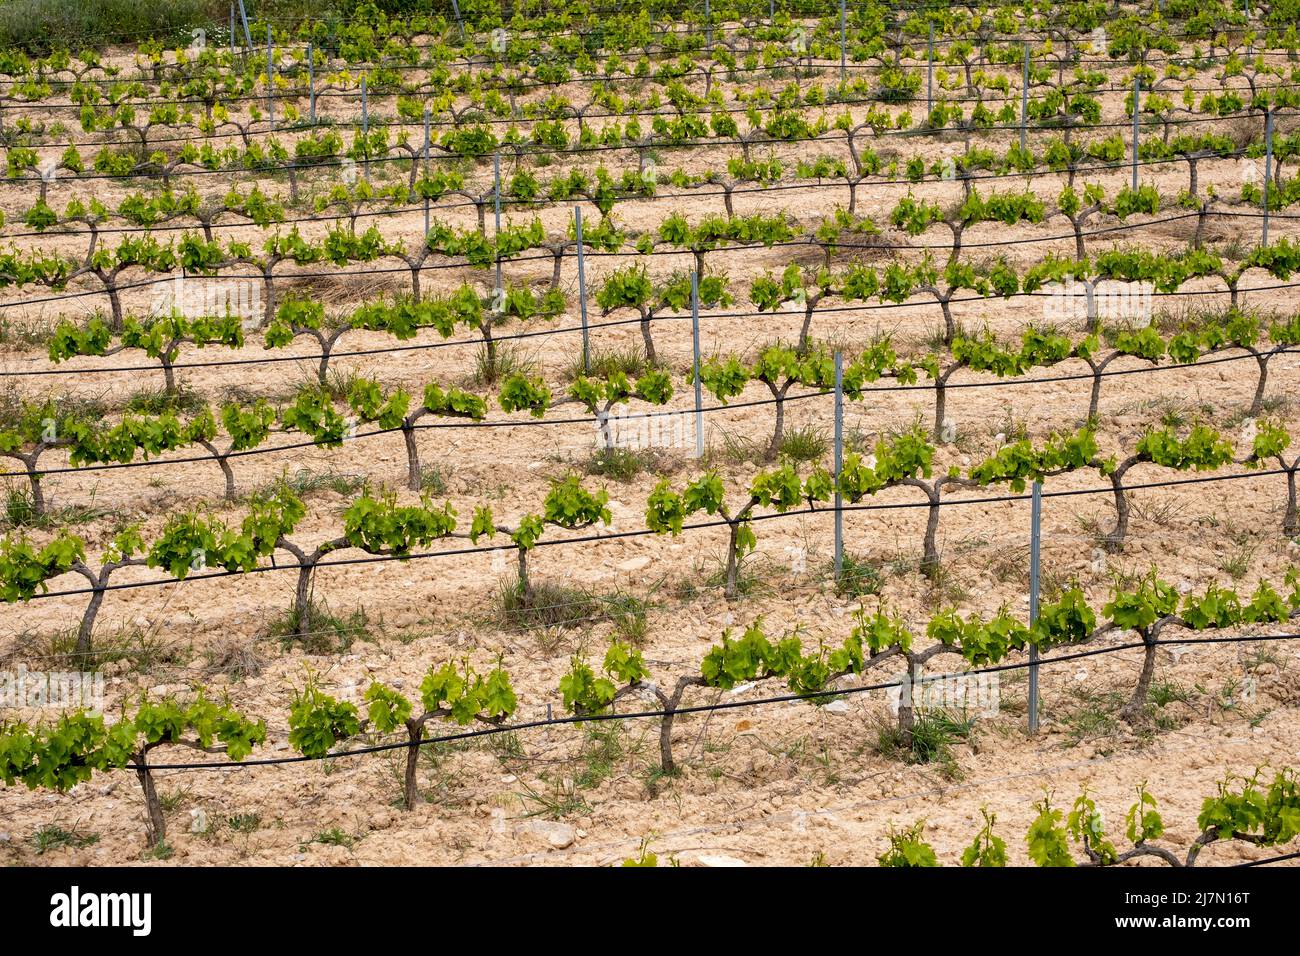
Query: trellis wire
[[346, 93], [534, 423], [997, 383], [690, 192], [535, 150], [570, 33], [708, 708], [599, 538], [738, 247]]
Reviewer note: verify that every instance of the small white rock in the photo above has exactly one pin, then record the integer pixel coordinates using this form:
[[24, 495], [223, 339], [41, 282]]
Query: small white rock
[[555, 835]]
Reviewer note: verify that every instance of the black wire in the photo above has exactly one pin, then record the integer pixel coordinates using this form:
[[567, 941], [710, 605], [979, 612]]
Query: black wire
[[710, 708], [591, 419], [742, 30], [533, 334], [667, 111], [518, 152], [1270, 859], [687, 192], [651, 51], [643, 532], [737, 246], [855, 395]]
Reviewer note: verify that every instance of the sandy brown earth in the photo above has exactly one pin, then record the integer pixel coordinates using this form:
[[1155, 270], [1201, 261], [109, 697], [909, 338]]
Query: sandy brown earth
[[785, 783]]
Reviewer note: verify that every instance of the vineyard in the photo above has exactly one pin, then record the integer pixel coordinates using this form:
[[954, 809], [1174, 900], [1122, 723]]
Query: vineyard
[[731, 433]]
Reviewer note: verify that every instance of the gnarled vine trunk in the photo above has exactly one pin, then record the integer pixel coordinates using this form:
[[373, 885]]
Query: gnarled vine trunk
[[525, 585], [1094, 397], [99, 584], [413, 473], [223, 462], [669, 703], [732, 588], [930, 553], [34, 477], [306, 567], [907, 701], [1114, 541], [778, 428], [1136, 705], [155, 821], [646, 338], [1290, 526], [1261, 359], [410, 788], [941, 400]]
